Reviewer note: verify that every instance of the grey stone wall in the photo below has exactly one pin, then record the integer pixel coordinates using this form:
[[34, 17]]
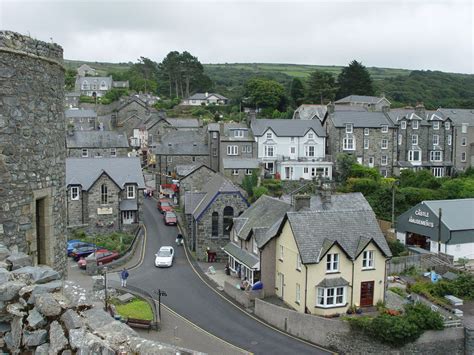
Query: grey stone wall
[[165, 167], [75, 212], [213, 141], [459, 149], [267, 267], [97, 152], [32, 148]]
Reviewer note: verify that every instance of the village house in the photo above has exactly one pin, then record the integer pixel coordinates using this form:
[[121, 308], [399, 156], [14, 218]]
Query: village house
[[97, 86], [310, 112], [130, 114], [370, 103], [192, 178], [96, 144], [209, 214], [81, 120], [104, 195], [71, 99], [425, 140], [370, 136], [85, 69], [292, 149], [205, 99]]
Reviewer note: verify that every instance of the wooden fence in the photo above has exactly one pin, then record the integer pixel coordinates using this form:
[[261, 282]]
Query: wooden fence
[[398, 264]]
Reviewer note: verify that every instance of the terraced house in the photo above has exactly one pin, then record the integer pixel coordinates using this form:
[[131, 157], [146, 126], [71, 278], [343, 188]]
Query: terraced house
[[96, 144]]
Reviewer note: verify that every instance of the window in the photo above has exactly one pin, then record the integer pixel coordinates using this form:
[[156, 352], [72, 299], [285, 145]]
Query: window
[[436, 125], [414, 155], [414, 139], [463, 141], [247, 149], [366, 131], [310, 135], [193, 159], [447, 126], [435, 139], [384, 128], [437, 172], [305, 170], [368, 259], [400, 139], [450, 139], [298, 262], [232, 150], [113, 152], [348, 143], [436, 155], [74, 193], [366, 143], [463, 156], [384, 172], [383, 160], [349, 128], [403, 125], [281, 252], [254, 246], [415, 124], [384, 143], [215, 225], [227, 221], [332, 263], [298, 294], [238, 133], [103, 194], [309, 150], [85, 153], [269, 135], [464, 128], [130, 191], [292, 150], [269, 151], [214, 135], [292, 140], [248, 171], [169, 159], [331, 297], [235, 171], [270, 167], [214, 152]]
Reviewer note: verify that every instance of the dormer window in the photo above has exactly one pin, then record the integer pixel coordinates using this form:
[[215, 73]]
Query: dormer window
[[436, 125], [269, 135], [238, 133], [384, 128], [403, 125], [415, 124], [310, 135], [349, 128], [447, 126], [130, 192]]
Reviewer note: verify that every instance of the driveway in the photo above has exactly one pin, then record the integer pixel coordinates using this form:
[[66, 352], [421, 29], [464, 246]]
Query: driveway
[[190, 297]]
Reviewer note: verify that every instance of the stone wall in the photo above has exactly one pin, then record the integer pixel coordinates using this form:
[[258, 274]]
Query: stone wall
[[336, 335], [32, 149], [166, 164]]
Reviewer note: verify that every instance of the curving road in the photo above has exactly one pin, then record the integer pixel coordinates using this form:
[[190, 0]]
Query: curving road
[[193, 299]]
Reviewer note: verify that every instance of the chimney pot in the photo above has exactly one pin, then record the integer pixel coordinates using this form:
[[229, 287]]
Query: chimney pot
[[302, 201]]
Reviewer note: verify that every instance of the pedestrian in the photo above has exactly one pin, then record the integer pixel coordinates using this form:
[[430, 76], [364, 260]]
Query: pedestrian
[[124, 277]]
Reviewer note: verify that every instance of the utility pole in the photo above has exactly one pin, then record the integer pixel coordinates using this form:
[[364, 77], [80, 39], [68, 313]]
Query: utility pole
[[160, 293]]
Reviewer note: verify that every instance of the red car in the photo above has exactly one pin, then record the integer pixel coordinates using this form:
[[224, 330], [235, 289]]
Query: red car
[[103, 256], [170, 219], [164, 206]]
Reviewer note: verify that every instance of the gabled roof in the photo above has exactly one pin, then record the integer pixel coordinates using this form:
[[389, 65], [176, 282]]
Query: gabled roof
[[360, 119], [191, 200], [198, 167], [131, 100], [182, 143], [314, 231], [287, 128], [97, 139], [203, 96], [360, 99], [458, 116], [456, 214], [95, 79], [84, 172], [341, 202], [78, 113], [310, 112]]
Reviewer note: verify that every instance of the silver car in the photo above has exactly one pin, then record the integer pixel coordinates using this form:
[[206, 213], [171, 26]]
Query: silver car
[[164, 257]]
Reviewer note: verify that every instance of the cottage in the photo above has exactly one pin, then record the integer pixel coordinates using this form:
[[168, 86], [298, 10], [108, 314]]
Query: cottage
[[104, 194], [205, 99], [85, 69], [371, 103], [96, 144], [81, 120], [310, 112]]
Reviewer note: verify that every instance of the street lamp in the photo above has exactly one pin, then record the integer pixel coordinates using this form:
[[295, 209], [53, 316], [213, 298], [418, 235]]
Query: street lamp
[[104, 272], [160, 293]]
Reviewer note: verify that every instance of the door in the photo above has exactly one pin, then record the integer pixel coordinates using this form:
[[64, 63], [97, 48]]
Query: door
[[367, 293], [41, 231]]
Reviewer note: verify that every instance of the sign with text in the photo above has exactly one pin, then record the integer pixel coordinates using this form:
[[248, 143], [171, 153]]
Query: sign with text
[[104, 210], [422, 218]]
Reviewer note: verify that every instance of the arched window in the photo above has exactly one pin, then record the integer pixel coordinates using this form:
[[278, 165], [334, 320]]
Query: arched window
[[227, 221], [103, 194], [85, 85], [215, 224]]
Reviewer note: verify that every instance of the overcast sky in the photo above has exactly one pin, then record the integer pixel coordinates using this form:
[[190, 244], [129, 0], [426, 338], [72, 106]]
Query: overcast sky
[[411, 34]]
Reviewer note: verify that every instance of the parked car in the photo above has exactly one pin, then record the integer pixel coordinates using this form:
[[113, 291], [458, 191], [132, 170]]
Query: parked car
[[103, 256], [74, 244], [82, 252], [164, 257], [170, 219], [164, 205]]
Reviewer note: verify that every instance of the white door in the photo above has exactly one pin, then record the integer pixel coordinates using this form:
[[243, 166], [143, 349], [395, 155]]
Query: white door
[[292, 152]]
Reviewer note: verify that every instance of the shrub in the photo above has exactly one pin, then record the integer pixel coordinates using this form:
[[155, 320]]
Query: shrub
[[259, 191], [394, 330], [396, 247], [421, 315], [399, 291]]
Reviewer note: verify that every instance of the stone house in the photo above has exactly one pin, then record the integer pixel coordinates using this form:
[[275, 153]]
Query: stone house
[[85, 69], [209, 214], [32, 175], [97, 86], [130, 114], [81, 120], [463, 136], [370, 103], [310, 112], [71, 99], [104, 195], [200, 99], [96, 144], [425, 140], [192, 178], [328, 258], [232, 150], [370, 136]]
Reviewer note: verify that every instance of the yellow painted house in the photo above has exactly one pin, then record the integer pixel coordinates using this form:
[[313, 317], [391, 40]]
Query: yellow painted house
[[329, 260]]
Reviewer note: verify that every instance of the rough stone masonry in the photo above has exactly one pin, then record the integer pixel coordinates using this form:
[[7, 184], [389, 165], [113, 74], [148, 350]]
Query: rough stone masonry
[[32, 149]]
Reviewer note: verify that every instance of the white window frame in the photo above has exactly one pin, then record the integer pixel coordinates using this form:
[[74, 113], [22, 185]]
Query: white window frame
[[400, 139], [269, 135], [349, 128], [436, 125], [384, 128], [232, 150], [85, 152], [282, 252], [272, 170], [267, 150], [437, 171], [366, 143], [447, 126], [411, 154], [310, 151], [366, 131], [239, 133], [130, 192], [436, 155], [415, 125], [384, 160], [310, 135], [332, 263], [435, 139], [248, 171], [254, 246], [214, 134], [450, 139], [298, 293], [348, 143], [414, 139], [384, 143], [463, 156], [75, 193], [368, 261], [169, 159], [235, 172], [298, 262], [464, 128], [403, 125], [293, 149], [113, 152], [323, 295]]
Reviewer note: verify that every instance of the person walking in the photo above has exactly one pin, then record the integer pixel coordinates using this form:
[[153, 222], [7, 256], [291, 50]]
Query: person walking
[[124, 277]]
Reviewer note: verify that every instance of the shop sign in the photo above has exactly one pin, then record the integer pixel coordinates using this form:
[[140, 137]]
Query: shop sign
[[421, 218]]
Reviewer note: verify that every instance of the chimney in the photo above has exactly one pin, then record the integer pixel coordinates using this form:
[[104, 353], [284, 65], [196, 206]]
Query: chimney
[[331, 107], [302, 201], [420, 109]]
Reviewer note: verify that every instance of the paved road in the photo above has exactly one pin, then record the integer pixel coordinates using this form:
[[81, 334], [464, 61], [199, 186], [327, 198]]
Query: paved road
[[190, 297]]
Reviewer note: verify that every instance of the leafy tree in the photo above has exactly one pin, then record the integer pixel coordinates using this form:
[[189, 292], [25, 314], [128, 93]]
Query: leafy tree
[[354, 80], [321, 87], [70, 79], [249, 182], [259, 191], [297, 91], [143, 75], [344, 164], [265, 93]]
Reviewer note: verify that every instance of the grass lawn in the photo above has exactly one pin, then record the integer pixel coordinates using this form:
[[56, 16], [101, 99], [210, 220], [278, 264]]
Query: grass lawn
[[136, 308]]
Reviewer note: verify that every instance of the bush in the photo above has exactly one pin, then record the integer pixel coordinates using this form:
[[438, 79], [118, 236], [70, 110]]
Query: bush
[[424, 318], [394, 330], [399, 291], [396, 247], [115, 241], [259, 191]]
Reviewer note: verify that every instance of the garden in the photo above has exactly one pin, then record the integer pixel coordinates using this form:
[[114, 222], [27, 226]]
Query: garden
[[116, 241], [137, 308]]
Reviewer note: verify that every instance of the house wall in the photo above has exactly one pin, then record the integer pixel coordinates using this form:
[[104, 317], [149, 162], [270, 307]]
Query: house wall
[[236, 179], [165, 167], [214, 152], [97, 152], [459, 149], [268, 267], [75, 212]]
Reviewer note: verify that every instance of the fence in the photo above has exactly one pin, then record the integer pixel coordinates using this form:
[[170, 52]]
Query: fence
[[398, 264]]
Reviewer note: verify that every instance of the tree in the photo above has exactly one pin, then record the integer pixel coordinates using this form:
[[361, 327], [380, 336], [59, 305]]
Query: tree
[[354, 80], [344, 164], [70, 79], [297, 91], [143, 75], [321, 88], [265, 93]]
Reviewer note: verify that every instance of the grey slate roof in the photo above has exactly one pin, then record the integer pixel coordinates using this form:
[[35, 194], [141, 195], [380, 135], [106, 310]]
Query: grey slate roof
[[203, 96], [360, 119], [458, 116], [244, 256], [333, 282], [240, 163], [316, 231], [76, 113], [261, 215], [354, 201], [184, 122], [359, 99], [182, 143], [310, 112], [409, 113], [128, 205], [85, 172], [186, 169], [191, 200], [287, 128], [456, 214], [97, 139]]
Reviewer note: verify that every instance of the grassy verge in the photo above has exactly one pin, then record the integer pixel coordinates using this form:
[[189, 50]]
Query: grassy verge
[[137, 308]]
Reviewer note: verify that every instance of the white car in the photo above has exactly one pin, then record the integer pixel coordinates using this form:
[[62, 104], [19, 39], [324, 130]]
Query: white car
[[164, 257]]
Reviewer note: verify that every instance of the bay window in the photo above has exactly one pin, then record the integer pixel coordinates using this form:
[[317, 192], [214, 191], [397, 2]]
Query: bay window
[[331, 297]]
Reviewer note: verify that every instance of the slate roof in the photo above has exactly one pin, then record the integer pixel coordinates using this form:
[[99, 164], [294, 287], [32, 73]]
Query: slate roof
[[316, 231], [333, 282], [341, 202], [76, 113], [128, 205], [249, 259], [230, 127], [409, 113], [182, 143], [184, 122], [456, 214], [202, 96], [360, 99], [458, 116], [94, 79], [287, 128], [261, 216], [310, 112], [186, 169], [360, 119], [97, 139], [85, 172], [240, 163], [191, 200]]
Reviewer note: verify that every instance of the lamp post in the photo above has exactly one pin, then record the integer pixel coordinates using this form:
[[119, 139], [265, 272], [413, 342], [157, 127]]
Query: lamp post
[[160, 293], [104, 271]]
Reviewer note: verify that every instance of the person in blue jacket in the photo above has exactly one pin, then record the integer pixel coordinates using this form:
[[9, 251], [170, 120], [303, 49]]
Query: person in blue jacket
[[124, 277]]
